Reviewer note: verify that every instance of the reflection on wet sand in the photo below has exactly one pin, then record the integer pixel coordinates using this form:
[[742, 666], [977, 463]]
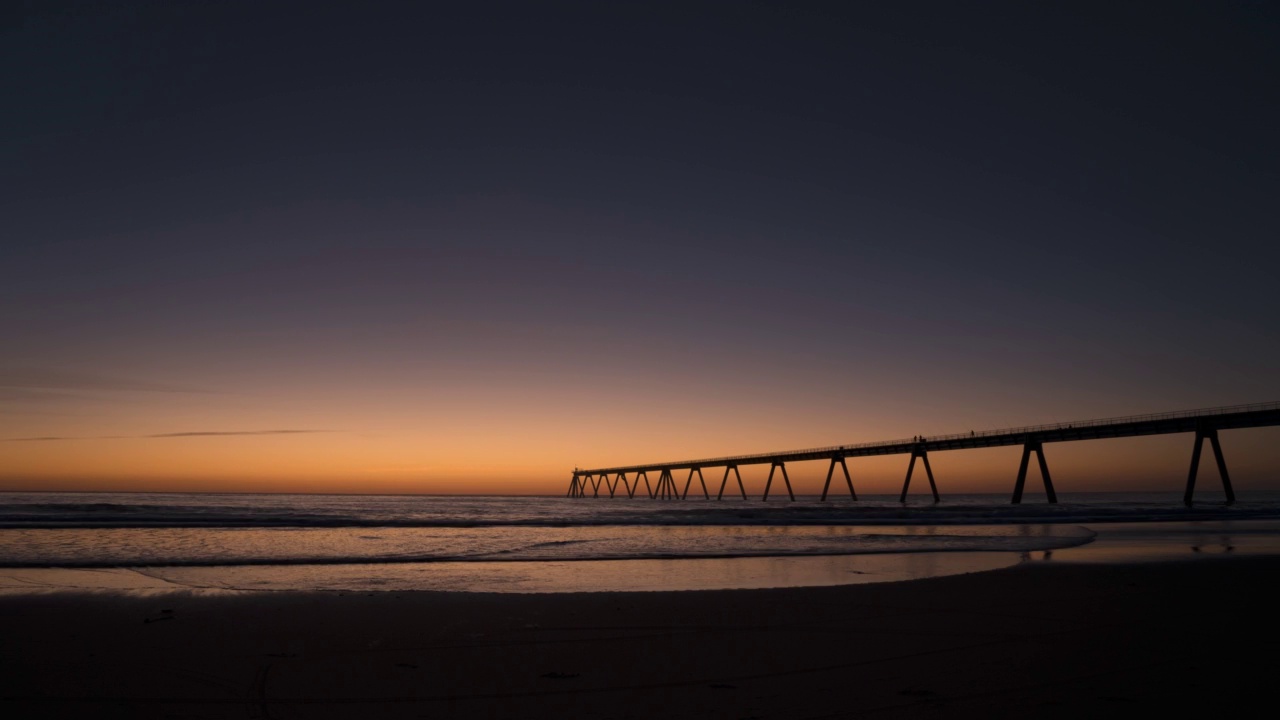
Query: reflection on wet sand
[[1114, 543], [1162, 542], [520, 577]]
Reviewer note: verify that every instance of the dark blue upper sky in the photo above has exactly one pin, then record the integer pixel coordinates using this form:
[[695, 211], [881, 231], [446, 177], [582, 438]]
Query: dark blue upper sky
[[1071, 203]]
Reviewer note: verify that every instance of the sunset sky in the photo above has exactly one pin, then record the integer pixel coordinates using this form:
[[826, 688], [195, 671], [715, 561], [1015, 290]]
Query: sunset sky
[[467, 248]]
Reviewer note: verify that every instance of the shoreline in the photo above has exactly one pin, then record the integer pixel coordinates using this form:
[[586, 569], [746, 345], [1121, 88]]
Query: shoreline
[[1068, 542]]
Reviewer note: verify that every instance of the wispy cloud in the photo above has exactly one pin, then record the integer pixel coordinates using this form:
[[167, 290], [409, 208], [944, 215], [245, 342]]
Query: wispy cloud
[[217, 433], [48, 438], [192, 433]]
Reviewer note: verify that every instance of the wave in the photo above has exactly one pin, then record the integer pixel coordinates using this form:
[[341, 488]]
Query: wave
[[143, 518], [970, 544]]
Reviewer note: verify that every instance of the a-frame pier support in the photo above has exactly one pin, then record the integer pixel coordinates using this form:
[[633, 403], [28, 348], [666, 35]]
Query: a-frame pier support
[[785, 479], [725, 481], [666, 489], [919, 452], [613, 486], [1211, 434], [1029, 447], [688, 482], [847, 479], [642, 475], [574, 490]]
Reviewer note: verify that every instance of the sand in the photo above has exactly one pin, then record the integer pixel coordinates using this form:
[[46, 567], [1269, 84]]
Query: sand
[[1038, 639]]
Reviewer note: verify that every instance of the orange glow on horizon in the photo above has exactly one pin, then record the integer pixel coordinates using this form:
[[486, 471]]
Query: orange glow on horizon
[[481, 432], [540, 463]]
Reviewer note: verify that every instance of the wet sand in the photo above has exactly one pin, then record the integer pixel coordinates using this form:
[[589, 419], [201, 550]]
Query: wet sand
[[1038, 639]]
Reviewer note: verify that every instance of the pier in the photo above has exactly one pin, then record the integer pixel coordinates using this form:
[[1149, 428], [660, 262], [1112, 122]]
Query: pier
[[1204, 423]]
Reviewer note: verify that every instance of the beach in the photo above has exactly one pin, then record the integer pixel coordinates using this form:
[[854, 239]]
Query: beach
[[1043, 639]]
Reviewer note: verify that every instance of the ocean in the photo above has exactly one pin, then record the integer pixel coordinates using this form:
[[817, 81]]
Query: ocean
[[437, 542]]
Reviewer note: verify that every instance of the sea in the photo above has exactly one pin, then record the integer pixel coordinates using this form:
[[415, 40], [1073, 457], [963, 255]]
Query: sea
[[155, 541]]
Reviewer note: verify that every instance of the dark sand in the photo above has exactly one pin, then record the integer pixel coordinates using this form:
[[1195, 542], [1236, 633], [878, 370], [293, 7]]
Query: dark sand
[[1042, 640]]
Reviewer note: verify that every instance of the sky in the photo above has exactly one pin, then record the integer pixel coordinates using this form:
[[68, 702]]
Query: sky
[[467, 247]]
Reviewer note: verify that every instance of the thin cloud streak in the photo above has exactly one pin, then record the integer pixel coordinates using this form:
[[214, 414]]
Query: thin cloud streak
[[195, 433], [219, 433]]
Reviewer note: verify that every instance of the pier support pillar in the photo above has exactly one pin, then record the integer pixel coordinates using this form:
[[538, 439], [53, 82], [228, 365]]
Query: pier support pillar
[[667, 489], [785, 479], [595, 485], [573, 487], [613, 486], [1210, 434], [1038, 449], [688, 482], [667, 486], [725, 481], [847, 479], [919, 452], [636, 486]]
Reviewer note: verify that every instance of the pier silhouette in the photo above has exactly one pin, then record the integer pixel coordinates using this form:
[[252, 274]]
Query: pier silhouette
[[1205, 423]]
